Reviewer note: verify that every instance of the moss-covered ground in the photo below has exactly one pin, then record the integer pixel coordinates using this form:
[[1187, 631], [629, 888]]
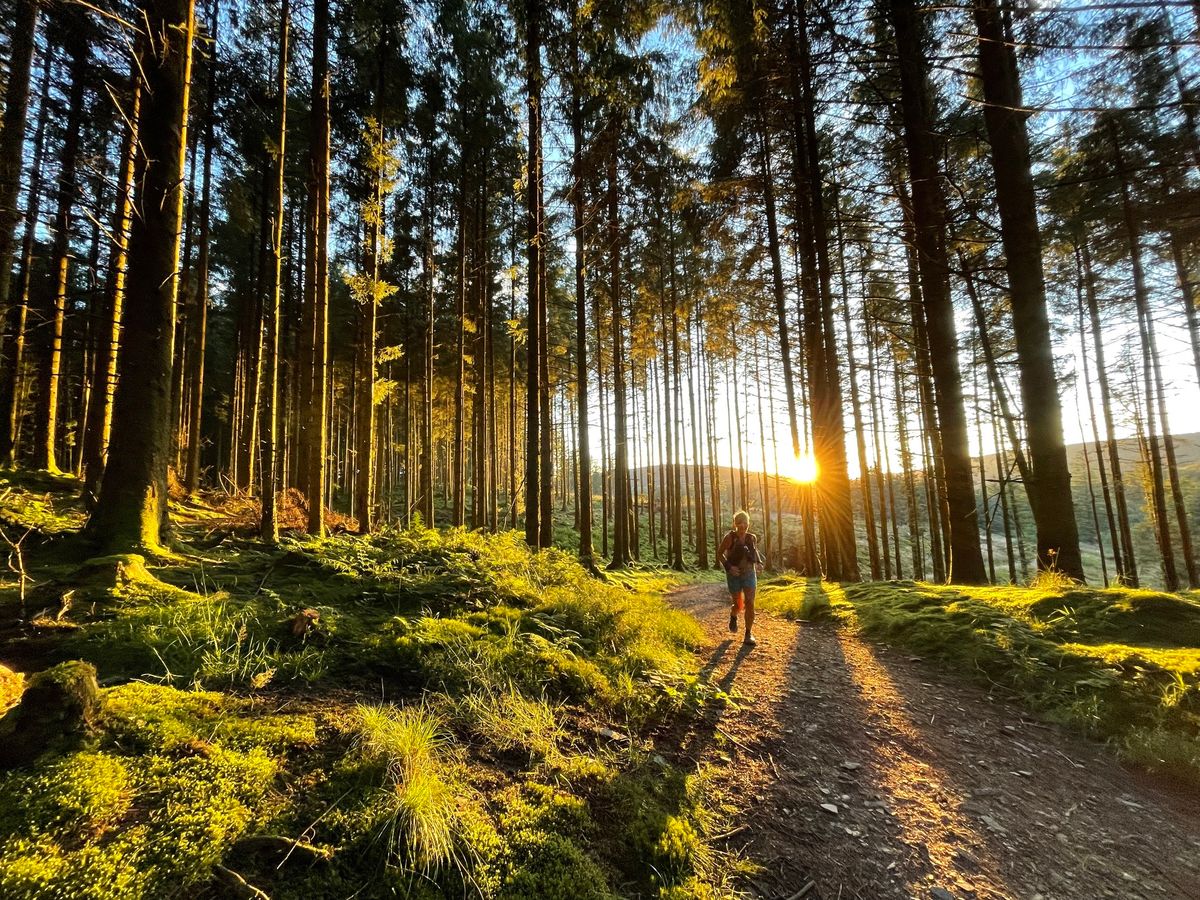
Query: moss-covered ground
[[1117, 664], [412, 714]]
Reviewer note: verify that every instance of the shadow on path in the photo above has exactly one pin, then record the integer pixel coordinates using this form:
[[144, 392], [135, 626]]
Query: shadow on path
[[873, 775]]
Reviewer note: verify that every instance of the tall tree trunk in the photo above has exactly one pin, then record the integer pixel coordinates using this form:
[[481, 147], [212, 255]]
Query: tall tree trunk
[[1114, 456], [1181, 517], [99, 423], [50, 326], [200, 330], [427, 451], [22, 38], [834, 508], [586, 553], [316, 413], [768, 189], [701, 538], [1141, 298], [13, 323], [929, 218], [620, 554], [533, 200], [910, 487], [365, 493], [1115, 540], [459, 475], [882, 485], [132, 508], [1050, 488], [269, 470], [860, 431]]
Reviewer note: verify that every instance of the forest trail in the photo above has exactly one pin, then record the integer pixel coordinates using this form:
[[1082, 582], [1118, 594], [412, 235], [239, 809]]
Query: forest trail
[[941, 791]]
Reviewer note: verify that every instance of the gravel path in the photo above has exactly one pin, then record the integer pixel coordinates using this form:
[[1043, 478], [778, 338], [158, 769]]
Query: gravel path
[[860, 772]]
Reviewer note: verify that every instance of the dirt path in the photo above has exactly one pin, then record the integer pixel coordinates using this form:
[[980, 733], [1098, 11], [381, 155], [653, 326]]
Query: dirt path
[[873, 775]]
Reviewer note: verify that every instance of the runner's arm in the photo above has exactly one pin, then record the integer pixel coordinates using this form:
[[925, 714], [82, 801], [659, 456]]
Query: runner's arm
[[721, 551]]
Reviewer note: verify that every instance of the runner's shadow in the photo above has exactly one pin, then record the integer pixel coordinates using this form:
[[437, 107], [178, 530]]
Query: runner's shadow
[[726, 680], [718, 654]]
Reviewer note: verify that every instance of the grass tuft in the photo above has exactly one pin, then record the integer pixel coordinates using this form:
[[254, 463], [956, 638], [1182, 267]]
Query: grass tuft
[[422, 813]]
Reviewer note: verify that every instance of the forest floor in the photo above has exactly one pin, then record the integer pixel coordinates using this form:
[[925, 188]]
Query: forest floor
[[861, 771]]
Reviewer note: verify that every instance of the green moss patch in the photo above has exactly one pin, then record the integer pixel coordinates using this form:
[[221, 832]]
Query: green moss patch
[[173, 780], [11, 685], [419, 708]]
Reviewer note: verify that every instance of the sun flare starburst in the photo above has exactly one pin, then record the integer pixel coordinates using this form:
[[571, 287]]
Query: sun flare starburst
[[804, 468]]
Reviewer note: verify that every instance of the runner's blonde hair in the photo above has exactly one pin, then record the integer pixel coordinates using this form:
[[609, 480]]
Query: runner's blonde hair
[[741, 516]]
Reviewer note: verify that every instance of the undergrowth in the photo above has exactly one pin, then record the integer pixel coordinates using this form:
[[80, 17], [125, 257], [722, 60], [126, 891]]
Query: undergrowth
[[1118, 664], [245, 712]]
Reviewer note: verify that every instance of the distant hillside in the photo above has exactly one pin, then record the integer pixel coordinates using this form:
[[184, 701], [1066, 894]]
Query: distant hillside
[[1187, 453]]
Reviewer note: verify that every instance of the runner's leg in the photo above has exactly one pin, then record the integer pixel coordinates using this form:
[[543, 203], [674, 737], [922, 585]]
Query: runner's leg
[[749, 593]]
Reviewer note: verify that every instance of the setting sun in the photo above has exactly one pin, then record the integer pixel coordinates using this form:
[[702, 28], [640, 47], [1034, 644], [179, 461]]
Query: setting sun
[[804, 468]]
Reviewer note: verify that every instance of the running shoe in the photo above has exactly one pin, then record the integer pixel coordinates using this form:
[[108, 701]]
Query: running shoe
[[733, 622]]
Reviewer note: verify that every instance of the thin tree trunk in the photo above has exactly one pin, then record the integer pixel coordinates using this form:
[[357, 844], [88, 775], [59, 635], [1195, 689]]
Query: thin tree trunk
[[1114, 457], [200, 332], [1133, 237], [873, 383], [1114, 538], [1181, 517], [620, 553], [14, 320], [1002, 488], [860, 436], [534, 351], [99, 423], [316, 413], [269, 469], [458, 472], [768, 189], [22, 38], [50, 327], [914, 526]]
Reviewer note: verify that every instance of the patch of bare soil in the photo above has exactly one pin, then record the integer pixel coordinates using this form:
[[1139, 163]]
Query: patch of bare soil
[[860, 772]]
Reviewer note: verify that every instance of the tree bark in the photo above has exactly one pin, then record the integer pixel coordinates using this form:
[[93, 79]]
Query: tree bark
[[533, 201], [621, 553], [14, 322], [1114, 456], [1050, 488], [929, 217], [50, 330], [132, 509], [191, 479], [586, 552], [316, 413], [99, 423], [269, 470], [22, 39], [1141, 299]]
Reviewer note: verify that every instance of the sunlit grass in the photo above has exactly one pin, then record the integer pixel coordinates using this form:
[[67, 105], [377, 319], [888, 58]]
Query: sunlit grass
[[422, 813]]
